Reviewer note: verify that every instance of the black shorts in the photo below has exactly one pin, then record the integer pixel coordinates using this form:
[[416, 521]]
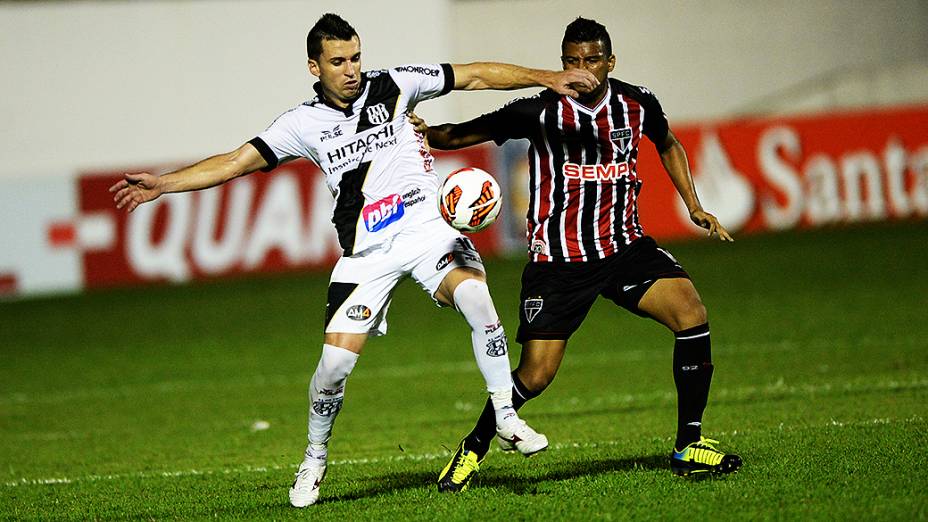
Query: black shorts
[[556, 297]]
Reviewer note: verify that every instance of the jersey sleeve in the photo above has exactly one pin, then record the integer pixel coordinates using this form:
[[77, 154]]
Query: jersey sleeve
[[513, 121], [424, 82], [282, 141], [655, 121]]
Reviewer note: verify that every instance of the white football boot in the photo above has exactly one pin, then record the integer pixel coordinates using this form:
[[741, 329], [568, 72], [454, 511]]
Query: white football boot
[[305, 489], [505, 445], [515, 434]]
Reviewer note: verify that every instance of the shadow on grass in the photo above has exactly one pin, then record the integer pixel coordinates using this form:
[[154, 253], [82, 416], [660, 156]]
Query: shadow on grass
[[521, 485], [571, 470]]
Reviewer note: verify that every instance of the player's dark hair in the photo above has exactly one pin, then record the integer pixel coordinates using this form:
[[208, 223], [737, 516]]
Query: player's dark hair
[[586, 30], [328, 27]]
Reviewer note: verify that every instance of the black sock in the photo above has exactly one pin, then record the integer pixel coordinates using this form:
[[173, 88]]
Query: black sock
[[692, 373], [478, 440]]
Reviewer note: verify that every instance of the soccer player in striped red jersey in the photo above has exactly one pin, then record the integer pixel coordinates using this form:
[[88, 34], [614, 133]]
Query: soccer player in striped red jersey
[[585, 240]]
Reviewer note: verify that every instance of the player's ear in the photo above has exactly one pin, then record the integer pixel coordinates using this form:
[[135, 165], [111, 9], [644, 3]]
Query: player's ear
[[313, 66], [611, 62]]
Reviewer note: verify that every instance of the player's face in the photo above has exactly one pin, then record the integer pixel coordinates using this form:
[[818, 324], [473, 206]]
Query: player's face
[[592, 57], [339, 70]]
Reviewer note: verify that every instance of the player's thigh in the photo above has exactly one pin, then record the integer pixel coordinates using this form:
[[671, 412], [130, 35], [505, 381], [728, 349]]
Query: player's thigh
[[353, 342], [449, 259], [675, 303], [555, 299], [359, 296], [646, 269]]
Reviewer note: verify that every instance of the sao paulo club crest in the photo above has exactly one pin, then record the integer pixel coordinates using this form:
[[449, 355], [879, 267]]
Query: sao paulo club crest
[[622, 137], [531, 307]]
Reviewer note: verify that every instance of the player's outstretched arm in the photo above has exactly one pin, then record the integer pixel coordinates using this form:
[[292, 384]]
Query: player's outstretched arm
[[135, 189], [451, 136], [504, 76], [673, 156]]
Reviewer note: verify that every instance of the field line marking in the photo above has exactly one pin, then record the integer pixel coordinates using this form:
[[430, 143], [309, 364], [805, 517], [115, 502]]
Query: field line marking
[[608, 399], [408, 457], [404, 371], [776, 389]]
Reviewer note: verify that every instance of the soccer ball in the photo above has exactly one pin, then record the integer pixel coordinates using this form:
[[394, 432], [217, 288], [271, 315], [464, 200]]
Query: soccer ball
[[470, 199]]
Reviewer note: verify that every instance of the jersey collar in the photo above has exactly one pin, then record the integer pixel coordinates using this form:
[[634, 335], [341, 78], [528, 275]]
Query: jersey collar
[[347, 111], [594, 110]]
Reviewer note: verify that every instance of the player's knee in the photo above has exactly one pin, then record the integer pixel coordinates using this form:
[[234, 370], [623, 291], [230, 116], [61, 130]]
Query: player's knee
[[691, 313], [472, 299], [336, 363], [536, 379], [701, 315]]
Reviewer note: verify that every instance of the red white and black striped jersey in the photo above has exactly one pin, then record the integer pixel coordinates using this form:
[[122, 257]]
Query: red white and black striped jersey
[[583, 179]]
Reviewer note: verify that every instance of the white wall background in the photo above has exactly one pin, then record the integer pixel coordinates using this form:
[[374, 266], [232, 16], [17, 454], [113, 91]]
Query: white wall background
[[110, 84], [123, 84], [705, 58]]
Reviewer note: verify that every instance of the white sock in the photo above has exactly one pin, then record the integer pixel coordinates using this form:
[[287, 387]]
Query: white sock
[[502, 406], [326, 392], [472, 299]]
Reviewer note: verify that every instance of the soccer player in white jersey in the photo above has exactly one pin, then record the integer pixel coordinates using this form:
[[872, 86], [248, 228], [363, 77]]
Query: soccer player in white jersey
[[380, 173]]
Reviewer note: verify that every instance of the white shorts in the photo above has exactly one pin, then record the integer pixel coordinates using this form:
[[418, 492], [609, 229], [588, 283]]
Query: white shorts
[[361, 287]]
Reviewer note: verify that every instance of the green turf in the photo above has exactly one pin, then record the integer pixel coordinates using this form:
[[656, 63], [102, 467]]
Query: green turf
[[128, 404]]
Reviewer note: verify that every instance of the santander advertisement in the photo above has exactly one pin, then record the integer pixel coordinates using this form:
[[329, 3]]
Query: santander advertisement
[[759, 175], [756, 175]]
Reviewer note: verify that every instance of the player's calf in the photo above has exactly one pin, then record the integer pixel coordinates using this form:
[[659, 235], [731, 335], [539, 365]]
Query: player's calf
[[326, 394]]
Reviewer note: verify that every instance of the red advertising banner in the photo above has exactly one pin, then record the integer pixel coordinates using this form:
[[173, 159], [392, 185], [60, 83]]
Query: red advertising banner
[[797, 172], [755, 174], [265, 222]]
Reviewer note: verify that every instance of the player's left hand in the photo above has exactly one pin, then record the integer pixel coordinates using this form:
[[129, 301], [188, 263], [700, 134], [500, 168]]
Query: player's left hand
[[418, 123], [420, 126], [567, 82], [710, 223]]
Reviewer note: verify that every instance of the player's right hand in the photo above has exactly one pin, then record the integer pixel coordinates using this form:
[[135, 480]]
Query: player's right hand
[[710, 223], [568, 82], [135, 189]]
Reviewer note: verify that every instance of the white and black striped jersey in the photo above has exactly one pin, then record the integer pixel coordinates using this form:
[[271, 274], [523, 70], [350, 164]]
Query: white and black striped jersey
[[375, 164], [583, 179]]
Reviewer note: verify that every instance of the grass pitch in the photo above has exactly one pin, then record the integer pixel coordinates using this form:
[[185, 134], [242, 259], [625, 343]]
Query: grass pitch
[[129, 404]]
